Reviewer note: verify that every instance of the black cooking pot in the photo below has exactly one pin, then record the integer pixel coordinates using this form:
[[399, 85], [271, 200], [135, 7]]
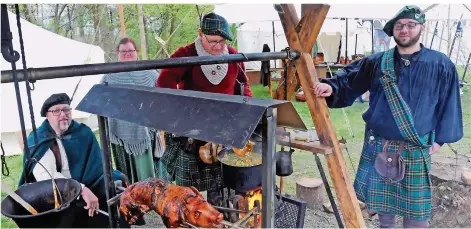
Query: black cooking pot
[[40, 195], [242, 179]]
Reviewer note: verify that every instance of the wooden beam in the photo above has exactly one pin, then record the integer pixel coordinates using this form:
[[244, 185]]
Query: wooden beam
[[318, 107]]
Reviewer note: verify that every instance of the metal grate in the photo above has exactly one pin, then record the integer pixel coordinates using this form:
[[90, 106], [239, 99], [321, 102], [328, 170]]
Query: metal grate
[[289, 212]]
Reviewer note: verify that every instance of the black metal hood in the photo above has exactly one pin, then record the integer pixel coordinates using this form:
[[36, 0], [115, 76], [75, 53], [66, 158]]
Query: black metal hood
[[224, 119]]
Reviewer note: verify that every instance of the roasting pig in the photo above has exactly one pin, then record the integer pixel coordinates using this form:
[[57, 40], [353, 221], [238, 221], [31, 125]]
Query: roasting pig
[[176, 204]]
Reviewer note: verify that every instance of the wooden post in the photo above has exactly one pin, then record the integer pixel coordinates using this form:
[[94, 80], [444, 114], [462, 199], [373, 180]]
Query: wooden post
[[121, 20], [301, 35]]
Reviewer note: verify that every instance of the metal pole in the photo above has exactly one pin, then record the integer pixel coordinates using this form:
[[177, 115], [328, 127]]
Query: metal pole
[[346, 40], [268, 168], [273, 35], [466, 68], [329, 192], [12, 56], [107, 170], [459, 50], [441, 38], [96, 69], [356, 44], [434, 34], [372, 38]]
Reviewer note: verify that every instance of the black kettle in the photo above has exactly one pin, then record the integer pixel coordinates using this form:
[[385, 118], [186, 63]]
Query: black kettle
[[284, 164]]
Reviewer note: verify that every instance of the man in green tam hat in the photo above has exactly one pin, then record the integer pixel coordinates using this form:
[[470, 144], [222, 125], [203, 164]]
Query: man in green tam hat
[[414, 109], [182, 159]]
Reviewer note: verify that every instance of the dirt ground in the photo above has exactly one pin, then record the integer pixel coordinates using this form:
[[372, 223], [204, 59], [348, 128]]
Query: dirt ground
[[451, 200]]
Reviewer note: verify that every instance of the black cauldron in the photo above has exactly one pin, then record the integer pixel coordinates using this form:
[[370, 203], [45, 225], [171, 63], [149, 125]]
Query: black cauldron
[[40, 195]]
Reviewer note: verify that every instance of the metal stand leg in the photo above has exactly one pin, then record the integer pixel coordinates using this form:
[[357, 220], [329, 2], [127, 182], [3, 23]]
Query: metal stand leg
[[268, 166], [107, 170], [329, 193]]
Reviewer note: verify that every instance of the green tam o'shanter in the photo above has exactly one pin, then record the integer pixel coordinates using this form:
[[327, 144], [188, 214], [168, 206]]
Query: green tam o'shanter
[[213, 24], [407, 12]]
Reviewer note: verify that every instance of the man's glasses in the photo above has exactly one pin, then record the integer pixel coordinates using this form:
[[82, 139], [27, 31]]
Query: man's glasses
[[126, 51], [410, 25], [214, 43], [57, 112]]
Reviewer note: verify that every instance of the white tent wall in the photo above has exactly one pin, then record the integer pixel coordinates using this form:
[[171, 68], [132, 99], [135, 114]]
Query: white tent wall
[[251, 37], [44, 49]]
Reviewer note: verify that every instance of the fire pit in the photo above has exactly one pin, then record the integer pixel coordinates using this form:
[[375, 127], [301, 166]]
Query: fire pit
[[244, 208]]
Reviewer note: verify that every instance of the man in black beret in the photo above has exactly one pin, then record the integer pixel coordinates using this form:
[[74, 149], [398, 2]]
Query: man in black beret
[[68, 149], [414, 108]]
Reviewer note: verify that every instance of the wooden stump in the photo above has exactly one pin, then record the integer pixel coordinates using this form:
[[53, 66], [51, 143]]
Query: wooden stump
[[311, 190]]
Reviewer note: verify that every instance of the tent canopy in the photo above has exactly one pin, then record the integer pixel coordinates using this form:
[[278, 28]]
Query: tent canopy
[[45, 49], [257, 22]]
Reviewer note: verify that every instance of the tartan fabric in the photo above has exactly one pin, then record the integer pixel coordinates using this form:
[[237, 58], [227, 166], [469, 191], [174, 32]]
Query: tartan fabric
[[399, 108], [213, 24], [410, 197], [186, 169]]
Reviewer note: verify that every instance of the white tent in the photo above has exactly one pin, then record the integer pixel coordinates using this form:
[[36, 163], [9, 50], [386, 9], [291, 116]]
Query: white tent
[[44, 49], [257, 27]]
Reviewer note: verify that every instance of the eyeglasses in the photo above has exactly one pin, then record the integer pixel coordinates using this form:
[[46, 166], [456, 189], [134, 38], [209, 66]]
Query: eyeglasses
[[57, 112], [214, 43], [126, 51], [410, 25]]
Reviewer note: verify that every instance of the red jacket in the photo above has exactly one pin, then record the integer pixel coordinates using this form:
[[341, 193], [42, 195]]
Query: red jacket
[[192, 78]]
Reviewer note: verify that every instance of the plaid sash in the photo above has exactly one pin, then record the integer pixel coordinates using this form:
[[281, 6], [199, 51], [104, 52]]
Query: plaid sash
[[399, 108]]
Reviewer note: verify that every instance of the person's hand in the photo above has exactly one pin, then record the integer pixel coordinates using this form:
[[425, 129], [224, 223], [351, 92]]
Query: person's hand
[[435, 148], [322, 90], [90, 199]]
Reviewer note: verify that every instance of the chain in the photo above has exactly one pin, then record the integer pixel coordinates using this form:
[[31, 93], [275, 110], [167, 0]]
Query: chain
[[25, 74]]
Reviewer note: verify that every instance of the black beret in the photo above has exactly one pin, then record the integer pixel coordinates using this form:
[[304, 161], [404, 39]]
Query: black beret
[[53, 100]]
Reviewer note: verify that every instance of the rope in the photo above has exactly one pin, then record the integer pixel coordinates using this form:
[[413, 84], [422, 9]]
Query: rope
[[174, 31], [347, 121]]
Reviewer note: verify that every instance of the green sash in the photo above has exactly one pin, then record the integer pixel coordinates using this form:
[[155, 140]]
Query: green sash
[[399, 108]]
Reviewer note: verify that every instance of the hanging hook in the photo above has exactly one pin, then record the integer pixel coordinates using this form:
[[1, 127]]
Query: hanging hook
[[5, 170]]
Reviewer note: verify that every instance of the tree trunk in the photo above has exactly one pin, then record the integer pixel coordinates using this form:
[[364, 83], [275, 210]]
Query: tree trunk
[[142, 32], [121, 20]]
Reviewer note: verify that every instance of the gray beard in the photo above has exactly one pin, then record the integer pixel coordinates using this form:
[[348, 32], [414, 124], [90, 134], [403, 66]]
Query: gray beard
[[411, 42], [64, 127]]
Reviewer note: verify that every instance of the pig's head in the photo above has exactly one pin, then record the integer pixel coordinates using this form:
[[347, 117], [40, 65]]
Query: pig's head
[[198, 212]]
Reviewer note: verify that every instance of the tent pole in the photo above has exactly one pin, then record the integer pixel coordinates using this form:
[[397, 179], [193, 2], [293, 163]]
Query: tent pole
[[273, 36], [372, 38], [346, 40]]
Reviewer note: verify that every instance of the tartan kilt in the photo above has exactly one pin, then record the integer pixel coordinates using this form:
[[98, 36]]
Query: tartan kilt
[[186, 168], [411, 197]]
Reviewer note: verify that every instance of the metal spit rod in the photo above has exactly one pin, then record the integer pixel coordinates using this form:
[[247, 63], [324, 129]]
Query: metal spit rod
[[104, 68]]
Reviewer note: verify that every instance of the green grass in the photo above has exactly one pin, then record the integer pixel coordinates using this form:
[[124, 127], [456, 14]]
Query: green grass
[[303, 162]]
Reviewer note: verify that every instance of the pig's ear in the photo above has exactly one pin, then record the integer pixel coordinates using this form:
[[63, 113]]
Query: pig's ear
[[195, 190]]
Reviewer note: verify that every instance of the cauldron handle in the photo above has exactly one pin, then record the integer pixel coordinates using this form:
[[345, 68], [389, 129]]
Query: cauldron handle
[[54, 184]]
